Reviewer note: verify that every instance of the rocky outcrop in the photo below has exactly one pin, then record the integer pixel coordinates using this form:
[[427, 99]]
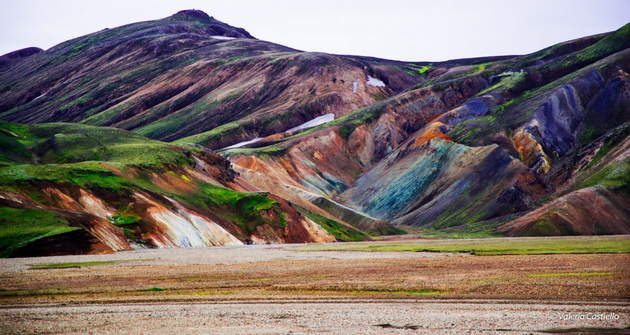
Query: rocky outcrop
[[15, 56], [473, 108], [552, 131], [309, 175], [531, 150], [579, 106]]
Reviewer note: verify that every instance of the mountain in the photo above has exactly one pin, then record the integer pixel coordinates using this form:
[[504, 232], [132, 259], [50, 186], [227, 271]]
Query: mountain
[[154, 77], [221, 138]]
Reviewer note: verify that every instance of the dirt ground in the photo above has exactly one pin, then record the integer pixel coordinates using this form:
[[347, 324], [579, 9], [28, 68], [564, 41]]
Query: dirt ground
[[279, 290]]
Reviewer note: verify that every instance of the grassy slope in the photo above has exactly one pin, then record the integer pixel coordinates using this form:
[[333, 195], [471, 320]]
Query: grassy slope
[[604, 169], [69, 143], [74, 152]]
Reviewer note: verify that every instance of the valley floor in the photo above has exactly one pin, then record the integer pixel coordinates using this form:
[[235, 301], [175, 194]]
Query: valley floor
[[313, 288]]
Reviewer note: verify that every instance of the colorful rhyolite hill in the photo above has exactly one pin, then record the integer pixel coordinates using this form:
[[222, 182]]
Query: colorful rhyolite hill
[[186, 132]]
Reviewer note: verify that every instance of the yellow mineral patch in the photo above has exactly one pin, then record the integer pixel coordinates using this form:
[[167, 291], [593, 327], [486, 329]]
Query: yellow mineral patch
[[531, 150]]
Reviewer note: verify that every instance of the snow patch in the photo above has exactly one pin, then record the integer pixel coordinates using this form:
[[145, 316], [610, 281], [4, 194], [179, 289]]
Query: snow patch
[[314, 122], [39, 97], [355, 86], [310, 124], [240, 144], [375, 82], [217, 37]]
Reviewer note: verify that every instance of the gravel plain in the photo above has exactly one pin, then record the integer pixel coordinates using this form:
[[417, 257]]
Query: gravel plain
[[276, 289], [303, 317], [227, 255]]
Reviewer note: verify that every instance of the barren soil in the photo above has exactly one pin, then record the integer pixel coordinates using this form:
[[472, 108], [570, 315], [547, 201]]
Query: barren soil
[[278, 289]]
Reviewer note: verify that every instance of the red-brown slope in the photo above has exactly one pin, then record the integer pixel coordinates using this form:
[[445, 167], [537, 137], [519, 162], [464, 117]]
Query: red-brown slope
[[589, 211]]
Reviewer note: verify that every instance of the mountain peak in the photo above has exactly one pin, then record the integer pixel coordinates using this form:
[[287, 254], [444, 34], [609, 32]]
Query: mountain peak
[[192, 14], [213, 26]]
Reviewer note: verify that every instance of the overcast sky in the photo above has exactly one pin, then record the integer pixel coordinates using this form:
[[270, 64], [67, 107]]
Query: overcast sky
[[404, 30]]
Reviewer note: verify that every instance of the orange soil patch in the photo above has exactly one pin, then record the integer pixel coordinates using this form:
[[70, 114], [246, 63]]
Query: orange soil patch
[[432, 131]]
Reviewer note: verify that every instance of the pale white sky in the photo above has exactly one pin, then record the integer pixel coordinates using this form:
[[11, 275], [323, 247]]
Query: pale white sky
[[394, 29]]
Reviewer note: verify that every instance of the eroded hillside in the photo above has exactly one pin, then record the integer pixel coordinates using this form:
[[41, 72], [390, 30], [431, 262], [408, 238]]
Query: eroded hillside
[[72, 189], [477, 145], [226, 139]]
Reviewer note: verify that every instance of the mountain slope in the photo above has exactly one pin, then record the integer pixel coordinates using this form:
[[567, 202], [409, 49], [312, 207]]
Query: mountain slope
[[224, 139], [153, 77]]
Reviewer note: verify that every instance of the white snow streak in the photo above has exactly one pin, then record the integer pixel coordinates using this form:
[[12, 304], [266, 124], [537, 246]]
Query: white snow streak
[[217, 37], [238, 145], [310, 124], [314, 122], [375, 82]]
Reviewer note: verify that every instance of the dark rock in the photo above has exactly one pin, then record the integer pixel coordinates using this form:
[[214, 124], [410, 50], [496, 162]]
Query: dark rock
[[17, 55], [192, 14]]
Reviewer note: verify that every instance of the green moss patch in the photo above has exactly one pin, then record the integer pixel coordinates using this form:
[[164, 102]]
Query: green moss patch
[[615, 176], [256, 203]]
